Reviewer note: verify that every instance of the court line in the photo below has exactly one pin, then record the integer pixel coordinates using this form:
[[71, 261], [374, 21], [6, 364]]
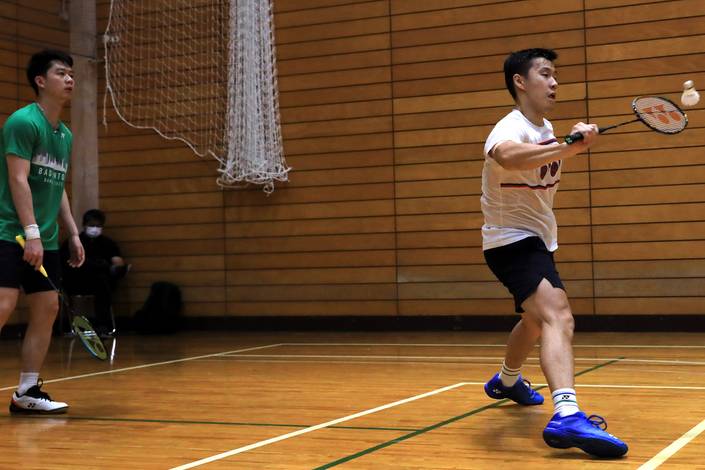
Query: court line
[[243, 358], [675, 446], [367, 412], [502, 345], [441, 424], [153, 364], [536, 384], [459, 358], [176, 421], [644, 387], [256, 445], [674, 362], [304, 361]]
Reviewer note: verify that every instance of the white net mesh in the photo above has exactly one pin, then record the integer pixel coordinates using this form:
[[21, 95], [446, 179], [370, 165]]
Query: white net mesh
[[203, 72]]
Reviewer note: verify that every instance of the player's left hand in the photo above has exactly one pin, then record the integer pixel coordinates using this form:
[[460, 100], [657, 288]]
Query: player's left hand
[[78, 255]]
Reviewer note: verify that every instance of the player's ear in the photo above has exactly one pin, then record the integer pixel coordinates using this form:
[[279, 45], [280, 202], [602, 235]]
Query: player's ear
[[40, 80], [519, 82]]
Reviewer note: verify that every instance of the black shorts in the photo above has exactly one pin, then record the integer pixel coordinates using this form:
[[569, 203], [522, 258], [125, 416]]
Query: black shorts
[[16, 272], [521, 266]]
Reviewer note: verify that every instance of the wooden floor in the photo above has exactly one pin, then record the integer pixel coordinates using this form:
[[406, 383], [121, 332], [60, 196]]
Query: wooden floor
[[358, 400]]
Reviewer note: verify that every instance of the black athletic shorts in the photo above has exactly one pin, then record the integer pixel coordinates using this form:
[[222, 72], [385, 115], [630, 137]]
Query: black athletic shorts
[[16, 272], [521, 266]]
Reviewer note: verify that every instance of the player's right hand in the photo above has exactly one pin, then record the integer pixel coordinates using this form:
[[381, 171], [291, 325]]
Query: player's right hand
[[34, 252], [589, 132]]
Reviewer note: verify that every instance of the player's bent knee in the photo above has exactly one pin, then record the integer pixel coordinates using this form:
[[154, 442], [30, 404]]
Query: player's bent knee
[[561, 317], [565, 321]]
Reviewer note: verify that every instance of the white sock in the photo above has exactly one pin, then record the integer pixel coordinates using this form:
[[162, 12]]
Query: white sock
[[564, 402], [27, 381], [508, 376]]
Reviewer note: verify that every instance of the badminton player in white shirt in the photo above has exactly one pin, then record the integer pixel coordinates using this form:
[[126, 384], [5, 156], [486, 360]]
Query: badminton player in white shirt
[[521, 174]]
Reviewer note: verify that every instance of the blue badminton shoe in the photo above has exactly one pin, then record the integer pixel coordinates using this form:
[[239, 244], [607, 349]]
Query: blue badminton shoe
[[521, 392], [584, 432]]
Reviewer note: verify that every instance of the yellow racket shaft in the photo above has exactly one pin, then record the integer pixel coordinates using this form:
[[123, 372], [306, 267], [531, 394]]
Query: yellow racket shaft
[[20, 240]]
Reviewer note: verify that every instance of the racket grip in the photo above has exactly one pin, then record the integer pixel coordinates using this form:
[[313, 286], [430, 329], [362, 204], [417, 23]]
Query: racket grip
[[572, 138], [569, 139], [20, 240]]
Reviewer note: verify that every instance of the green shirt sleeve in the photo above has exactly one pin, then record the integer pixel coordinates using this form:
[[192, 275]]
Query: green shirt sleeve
[[19, 136]]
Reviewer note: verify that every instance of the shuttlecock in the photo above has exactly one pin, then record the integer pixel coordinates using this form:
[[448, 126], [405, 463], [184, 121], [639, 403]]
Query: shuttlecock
[[690, 97]]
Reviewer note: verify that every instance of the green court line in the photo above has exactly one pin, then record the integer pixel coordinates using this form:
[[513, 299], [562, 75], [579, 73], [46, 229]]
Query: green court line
[[443, 423], [174, 421]]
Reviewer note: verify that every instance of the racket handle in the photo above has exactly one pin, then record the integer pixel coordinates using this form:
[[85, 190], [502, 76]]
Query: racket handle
[[20, 240], [572, 138]]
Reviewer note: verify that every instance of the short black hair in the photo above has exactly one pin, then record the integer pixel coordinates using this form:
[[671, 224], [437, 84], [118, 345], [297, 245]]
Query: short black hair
[[40, 63], [520, 62], [94, 214]]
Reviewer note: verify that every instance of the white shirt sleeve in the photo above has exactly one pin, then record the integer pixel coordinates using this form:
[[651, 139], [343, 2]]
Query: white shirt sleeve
[[506, 129]]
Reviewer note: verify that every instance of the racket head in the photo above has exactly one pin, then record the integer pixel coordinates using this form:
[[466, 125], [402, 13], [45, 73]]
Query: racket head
[[89, 338], [660, 114]]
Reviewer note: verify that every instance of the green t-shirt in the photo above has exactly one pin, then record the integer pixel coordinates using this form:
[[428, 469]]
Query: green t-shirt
[[29, 135]]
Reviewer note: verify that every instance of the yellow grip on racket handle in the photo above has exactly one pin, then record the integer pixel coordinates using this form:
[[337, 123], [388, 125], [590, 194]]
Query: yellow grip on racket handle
[[20, 240]]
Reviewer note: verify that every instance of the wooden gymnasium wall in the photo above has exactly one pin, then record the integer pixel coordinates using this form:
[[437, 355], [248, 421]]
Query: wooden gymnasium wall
[[26, 27], [647, 213], [164, 210], [385, 107]]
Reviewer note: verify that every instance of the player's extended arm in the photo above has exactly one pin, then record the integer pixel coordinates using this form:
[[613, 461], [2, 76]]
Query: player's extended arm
[[521, 156], [18, 171], [515, 156]]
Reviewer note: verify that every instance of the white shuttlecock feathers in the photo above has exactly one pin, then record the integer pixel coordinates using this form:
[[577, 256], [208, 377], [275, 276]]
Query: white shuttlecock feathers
[[690, 96]]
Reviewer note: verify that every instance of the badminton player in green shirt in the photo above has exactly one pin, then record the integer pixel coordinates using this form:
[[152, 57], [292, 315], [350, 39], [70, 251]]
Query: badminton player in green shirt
[[36, 150]]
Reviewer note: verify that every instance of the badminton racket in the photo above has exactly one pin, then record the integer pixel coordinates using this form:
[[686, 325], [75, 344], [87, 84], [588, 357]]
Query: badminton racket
[[657, 113], [79, 324]]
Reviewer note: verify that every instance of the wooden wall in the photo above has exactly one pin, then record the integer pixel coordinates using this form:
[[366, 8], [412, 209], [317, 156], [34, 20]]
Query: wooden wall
[[647, 205], [385, 107], [26, 27], [163, 208]]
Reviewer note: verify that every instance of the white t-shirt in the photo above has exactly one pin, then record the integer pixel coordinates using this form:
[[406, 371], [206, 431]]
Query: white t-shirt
[[519, 203]]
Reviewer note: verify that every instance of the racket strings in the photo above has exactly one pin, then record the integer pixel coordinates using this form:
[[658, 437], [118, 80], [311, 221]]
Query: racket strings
[[660, 114]]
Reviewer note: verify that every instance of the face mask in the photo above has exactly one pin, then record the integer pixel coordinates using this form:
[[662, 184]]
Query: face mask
[[94, 231]]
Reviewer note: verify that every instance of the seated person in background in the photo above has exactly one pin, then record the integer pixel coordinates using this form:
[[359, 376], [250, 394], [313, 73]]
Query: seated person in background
[[102, 269]]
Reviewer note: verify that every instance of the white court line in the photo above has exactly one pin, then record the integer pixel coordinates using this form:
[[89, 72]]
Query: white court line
[[640, 387], [677, 445], [661, 361], [153, 364], [282, 361], [480, 345], [650, 387], [314, 428], [645, 387], [460, 358], [350, 356]]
